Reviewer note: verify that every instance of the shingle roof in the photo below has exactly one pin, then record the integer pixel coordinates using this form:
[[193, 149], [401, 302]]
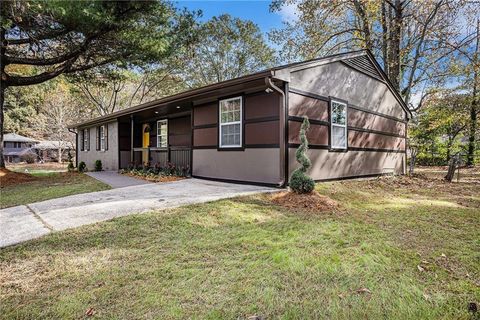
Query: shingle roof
[[373, 69], [53, 144], [13, 137]]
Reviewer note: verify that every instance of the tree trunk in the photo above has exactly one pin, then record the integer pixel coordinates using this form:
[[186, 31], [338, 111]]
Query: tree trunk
[[385, 38], [474, 105], [395, 39], [3, 46], [59, 155], [413, 158], [452, 167]]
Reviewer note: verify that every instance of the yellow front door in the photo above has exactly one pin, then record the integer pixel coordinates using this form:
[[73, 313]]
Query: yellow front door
[[145, 142]]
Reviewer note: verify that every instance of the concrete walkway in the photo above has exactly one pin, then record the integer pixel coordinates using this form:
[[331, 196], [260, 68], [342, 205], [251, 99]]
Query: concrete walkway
[[116, 180], [22, 223]]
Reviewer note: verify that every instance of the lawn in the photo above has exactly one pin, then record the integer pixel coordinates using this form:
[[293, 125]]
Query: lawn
[[48, 185], [396, 248]]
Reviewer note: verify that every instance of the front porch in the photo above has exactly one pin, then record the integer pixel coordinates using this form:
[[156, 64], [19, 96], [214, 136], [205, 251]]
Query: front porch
[[156, 137]]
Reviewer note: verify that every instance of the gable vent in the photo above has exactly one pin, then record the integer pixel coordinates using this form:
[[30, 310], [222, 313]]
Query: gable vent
[[363, 64]]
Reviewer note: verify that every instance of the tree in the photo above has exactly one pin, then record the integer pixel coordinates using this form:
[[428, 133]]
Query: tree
[[118, 89], [300, 182], [64, 37], [441, 126], [57, 112], [411, 38], [227, 48]]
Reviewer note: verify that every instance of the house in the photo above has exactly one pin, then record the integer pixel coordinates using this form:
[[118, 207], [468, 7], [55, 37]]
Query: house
[[16, 148], [48, 150], [247, 129]]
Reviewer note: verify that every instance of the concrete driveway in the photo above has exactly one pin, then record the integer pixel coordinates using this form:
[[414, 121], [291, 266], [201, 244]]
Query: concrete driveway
[[22, 223], [115, 179]]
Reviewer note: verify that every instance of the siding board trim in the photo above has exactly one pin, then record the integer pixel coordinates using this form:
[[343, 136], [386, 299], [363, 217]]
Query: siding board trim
[[389, 134], [326, 147], [263, 119], [312, 121], [326, 99], [376, 150]]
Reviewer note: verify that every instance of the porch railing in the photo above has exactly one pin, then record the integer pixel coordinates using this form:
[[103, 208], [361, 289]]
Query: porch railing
[[179, 156]]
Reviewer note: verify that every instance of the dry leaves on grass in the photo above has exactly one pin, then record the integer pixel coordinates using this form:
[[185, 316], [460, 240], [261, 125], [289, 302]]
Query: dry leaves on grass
[[312, 202], [8, 177]]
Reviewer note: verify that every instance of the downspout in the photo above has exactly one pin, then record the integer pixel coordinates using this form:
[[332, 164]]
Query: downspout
[[76, 145], [268, 81]]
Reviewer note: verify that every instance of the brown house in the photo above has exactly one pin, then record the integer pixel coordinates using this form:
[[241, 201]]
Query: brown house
[[247, 129]]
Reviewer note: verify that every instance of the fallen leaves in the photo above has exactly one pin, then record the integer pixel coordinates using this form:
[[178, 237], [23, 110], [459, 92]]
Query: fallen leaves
[[90, 312], [363, 290]]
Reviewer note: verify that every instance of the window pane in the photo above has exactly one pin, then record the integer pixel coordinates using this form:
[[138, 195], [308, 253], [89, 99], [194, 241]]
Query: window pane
[[230, 110], [230, 135], [338, 113], [338, 137]]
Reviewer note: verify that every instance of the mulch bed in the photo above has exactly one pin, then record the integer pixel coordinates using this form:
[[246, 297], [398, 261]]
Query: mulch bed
[[155, 178], [8, 178], [312, 202]]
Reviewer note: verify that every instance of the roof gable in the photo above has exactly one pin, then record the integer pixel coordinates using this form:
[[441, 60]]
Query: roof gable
[[362, 61]]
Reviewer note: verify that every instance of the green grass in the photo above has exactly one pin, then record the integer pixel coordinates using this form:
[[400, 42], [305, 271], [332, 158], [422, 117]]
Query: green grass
[[235, 258], [48, 185]]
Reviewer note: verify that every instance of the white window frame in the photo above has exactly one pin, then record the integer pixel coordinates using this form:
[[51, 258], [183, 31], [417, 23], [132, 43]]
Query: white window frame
[[344, 126], [86, 140], [165, 121], [101, 135], [222, 124]]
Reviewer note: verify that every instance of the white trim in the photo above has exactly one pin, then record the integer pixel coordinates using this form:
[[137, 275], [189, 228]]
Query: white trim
[[86, 139], [332, 125], [159, 135], [220, 124], [101, 136]]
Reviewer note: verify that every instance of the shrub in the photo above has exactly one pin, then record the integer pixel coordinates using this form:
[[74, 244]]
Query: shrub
[[98, 165], [82, 167], [29, 157], [70, 166], [300, 182]]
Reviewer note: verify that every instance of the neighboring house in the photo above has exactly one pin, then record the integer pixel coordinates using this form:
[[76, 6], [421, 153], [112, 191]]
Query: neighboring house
[[49, 150], [247, 129], [17, 147]]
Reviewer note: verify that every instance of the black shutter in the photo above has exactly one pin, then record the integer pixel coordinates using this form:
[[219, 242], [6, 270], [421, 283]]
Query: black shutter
[[80, 140], [88, 142], [97, 137], [106, 136]]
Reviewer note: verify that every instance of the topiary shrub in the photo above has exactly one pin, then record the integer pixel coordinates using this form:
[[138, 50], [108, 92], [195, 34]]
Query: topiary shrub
[[98, 165], [70, 166], [82, 167], [300, 182]]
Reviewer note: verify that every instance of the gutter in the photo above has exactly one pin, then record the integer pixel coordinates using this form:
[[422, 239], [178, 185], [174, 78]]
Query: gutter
[[268, 81], [76, 145]]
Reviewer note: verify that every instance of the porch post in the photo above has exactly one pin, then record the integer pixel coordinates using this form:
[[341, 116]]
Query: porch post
[[131, 138]]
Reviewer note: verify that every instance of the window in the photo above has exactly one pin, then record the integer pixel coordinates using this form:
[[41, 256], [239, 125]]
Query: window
[[230, 129], [17, 145], [338, 125], [86, 140], [101, 135], [162, 133]]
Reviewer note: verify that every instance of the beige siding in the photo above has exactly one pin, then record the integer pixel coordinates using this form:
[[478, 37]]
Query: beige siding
[[330, 165], [340, 81], [109, 157], [254, 165]]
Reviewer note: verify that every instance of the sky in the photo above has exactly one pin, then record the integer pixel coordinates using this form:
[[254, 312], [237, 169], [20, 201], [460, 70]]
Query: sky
[[256, 11]]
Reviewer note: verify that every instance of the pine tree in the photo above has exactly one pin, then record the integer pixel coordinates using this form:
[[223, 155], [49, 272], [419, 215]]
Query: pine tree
[[300, 182]]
